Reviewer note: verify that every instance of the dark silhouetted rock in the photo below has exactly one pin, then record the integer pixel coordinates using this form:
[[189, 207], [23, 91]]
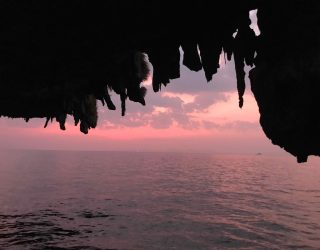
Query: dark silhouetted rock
[[59, 57], [286, 78]]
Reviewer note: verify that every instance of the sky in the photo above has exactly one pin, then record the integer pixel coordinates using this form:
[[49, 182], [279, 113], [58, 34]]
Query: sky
[[189, 115]]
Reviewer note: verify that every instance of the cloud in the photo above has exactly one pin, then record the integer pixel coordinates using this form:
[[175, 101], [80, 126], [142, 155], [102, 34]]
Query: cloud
[[203, 101], [165, 110], [161, 121], [192, 82], [187, 107], [235, 125], [181, 98]]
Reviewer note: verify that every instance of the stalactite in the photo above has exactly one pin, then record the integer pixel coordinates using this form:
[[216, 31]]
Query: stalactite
[[59, 58]]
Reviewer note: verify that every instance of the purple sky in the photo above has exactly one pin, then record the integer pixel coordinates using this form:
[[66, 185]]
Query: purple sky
[[188, 115]]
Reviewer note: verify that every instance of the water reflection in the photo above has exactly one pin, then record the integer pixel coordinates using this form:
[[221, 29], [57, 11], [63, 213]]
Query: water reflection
[[104, 200]]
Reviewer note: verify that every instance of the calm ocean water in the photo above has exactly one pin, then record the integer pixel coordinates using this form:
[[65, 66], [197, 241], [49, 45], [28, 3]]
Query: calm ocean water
[[108, 200]]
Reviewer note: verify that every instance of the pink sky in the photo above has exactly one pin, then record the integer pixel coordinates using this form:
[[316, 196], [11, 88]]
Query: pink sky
[[188, 115]]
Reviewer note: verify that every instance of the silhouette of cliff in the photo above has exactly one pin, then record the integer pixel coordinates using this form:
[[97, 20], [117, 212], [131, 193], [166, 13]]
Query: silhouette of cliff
[[60, 57]]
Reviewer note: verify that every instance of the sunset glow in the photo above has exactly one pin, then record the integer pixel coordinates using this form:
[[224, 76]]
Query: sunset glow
[[187, 115]]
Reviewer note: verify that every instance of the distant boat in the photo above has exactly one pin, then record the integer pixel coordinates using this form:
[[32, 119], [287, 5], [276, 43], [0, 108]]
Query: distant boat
[[258, 153]]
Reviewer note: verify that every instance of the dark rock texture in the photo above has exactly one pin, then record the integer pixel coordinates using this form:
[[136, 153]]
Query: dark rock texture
[[286, 78], [60, 57]]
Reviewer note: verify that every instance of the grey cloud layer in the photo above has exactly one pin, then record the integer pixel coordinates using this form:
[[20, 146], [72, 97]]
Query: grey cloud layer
[[176, 111]]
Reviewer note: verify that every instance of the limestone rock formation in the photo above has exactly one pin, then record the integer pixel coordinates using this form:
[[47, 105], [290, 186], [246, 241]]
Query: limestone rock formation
[[286, 78], [60, 57]]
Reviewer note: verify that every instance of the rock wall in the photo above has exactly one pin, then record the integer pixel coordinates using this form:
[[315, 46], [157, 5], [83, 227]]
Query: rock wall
[[286, 79], [60, 57]]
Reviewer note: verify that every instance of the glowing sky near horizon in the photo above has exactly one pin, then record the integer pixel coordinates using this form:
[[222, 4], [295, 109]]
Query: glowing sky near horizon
[[188, 115]]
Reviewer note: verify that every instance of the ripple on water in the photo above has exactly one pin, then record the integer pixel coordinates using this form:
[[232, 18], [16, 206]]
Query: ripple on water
[[68, 200]]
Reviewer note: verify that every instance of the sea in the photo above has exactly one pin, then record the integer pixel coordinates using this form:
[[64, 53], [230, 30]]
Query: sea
[[135, 200]]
